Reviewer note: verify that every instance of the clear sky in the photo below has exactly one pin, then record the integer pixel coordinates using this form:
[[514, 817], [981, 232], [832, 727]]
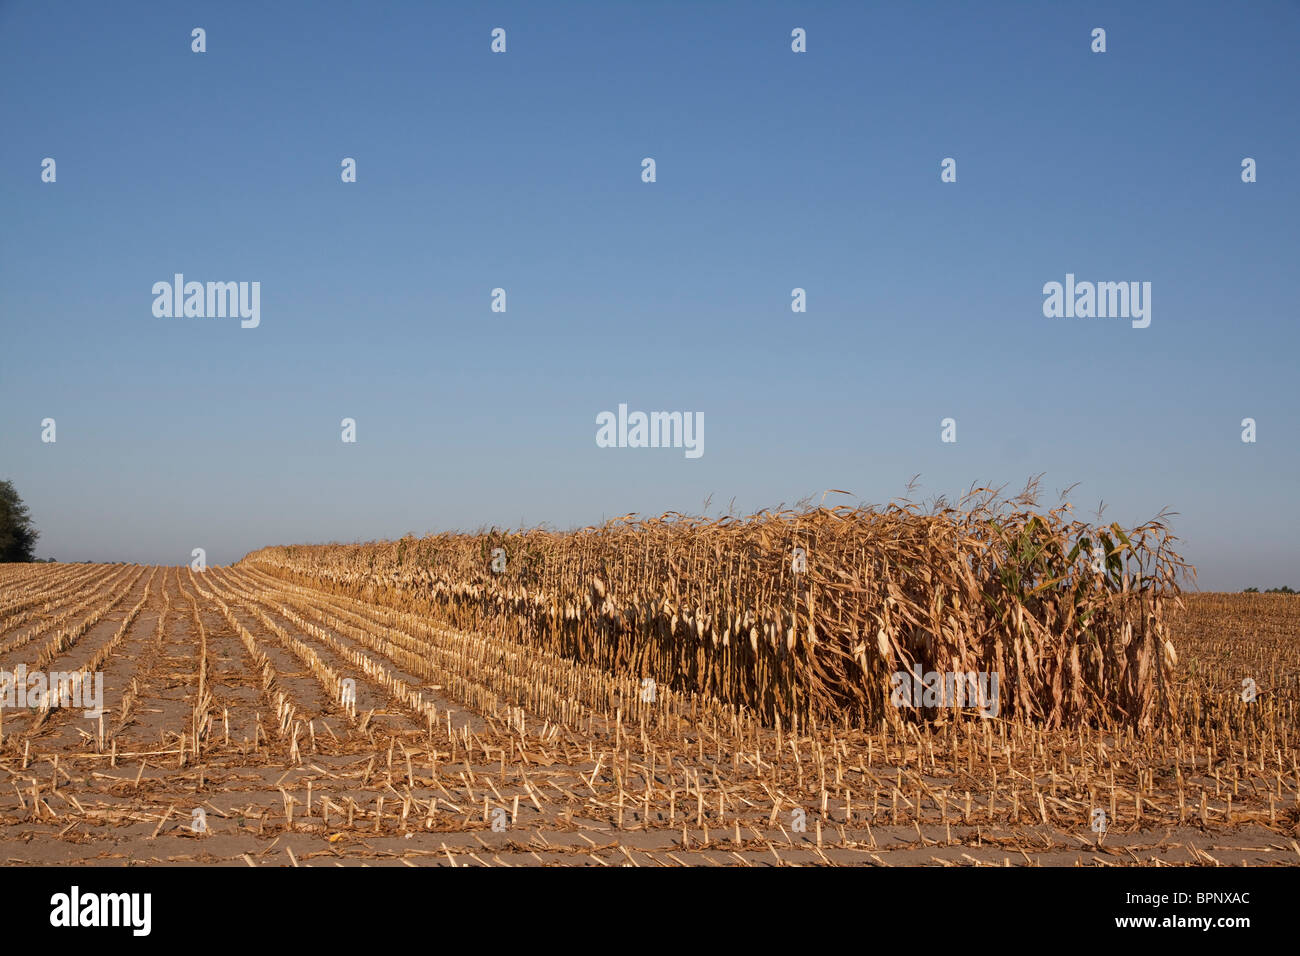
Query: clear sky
[[523, 171]]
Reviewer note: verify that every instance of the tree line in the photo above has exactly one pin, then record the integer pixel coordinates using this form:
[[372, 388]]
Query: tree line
[[17, 536]]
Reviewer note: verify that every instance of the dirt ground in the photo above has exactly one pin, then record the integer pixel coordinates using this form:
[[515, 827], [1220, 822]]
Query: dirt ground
[[224, 739]]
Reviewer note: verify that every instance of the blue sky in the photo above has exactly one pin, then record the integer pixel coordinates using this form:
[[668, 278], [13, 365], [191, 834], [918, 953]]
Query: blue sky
[[522, 170]]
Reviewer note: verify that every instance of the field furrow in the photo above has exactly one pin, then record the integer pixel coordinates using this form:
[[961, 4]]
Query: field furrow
[[247, 715]]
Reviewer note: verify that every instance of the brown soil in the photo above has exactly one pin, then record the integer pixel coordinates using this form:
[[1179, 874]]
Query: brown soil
[[286, 775]]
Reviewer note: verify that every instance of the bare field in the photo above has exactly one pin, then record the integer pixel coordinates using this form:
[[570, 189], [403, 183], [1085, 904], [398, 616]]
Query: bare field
[[228, 692]]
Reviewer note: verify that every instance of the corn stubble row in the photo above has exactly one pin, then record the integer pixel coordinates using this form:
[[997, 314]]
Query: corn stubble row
[[798, 616], [1221, 762]]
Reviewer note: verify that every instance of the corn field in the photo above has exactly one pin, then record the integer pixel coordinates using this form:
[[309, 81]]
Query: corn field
[[250, 717], [799, 616]]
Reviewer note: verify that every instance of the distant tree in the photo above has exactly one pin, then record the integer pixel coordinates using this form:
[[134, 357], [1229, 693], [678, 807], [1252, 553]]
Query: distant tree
[[1284, 589], [1251, 591], [17, 536]]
